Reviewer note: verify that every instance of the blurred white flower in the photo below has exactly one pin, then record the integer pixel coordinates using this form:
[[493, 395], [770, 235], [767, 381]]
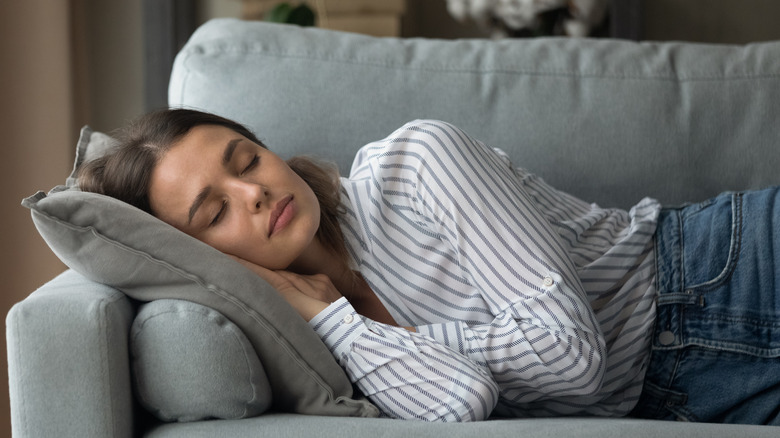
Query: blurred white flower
[[504, 17], [519, 14], [586, 14], [476, 10]]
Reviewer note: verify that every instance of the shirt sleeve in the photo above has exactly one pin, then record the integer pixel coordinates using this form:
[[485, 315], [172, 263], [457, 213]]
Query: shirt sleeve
[[407, 375], [544, 340]]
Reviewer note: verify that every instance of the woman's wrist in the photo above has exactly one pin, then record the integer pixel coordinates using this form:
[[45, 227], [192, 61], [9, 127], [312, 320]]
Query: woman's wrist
[[307, 306]]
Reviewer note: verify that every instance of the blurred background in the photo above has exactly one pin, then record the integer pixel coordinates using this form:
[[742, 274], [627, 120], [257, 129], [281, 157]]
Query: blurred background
[[67, 63]]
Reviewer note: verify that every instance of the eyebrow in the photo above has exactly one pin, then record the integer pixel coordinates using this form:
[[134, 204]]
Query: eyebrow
[[227, 155]]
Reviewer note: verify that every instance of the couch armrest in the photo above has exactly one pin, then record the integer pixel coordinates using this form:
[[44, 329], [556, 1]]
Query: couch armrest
[[68, 361]]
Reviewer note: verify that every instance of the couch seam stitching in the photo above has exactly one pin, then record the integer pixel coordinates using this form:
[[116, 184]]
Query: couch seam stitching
[[669, 76]]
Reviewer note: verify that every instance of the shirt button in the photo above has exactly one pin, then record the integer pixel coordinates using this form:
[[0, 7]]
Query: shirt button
[[348, 319], [548, 281]]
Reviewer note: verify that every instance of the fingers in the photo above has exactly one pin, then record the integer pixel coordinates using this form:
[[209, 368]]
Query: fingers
[[316, 286], [273, 278], [307, 294]]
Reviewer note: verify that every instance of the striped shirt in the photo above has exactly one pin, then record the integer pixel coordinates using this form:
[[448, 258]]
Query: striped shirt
[[527, 301]]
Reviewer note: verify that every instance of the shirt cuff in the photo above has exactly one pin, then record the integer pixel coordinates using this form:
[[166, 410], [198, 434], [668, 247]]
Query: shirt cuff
[[338, 325]]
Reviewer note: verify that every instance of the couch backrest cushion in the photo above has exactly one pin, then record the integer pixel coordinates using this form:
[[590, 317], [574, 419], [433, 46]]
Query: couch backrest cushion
[[609, 121], [113, 243]]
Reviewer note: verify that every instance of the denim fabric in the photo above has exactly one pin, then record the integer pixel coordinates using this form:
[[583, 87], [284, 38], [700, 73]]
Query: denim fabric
[[716, 345]]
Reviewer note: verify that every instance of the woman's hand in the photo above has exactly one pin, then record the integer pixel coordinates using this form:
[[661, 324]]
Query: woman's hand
[[308, 294]]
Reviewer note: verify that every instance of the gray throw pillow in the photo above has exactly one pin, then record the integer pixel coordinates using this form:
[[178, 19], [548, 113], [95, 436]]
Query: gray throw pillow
[[113, 243], [190, 363]]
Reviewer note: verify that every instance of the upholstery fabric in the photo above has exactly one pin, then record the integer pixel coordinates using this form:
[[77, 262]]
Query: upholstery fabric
[[190, 363], [68, 360], [583, 114], [283, 425]]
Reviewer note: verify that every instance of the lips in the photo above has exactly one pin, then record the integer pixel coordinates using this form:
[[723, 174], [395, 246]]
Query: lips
[[281, 215]]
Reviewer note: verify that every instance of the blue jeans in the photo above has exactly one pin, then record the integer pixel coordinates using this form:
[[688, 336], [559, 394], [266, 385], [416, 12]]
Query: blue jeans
[[716, 344]]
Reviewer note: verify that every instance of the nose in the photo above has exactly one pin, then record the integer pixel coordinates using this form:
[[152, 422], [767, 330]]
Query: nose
[[250, 194]]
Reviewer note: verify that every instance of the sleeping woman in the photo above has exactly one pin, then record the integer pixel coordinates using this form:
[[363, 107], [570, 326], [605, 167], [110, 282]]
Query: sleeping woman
[[451, 285]]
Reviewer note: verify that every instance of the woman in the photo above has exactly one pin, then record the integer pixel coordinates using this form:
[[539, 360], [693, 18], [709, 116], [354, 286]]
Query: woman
[[452, 286]]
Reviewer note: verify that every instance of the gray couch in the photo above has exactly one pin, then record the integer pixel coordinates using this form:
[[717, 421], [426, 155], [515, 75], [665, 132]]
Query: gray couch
[[608, 121]]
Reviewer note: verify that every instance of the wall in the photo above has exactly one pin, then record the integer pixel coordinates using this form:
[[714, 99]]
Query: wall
[[114, 62], [37, 126], [430, 19], [712, 21], [207, 9]]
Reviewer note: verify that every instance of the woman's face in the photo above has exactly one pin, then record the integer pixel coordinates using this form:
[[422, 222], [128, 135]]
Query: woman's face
[[240, 198]]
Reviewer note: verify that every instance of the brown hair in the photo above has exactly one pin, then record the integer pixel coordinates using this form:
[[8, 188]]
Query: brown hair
[[126, 172]]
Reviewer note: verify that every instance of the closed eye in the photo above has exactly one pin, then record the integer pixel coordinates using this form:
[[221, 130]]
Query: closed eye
[[252, 164], [220, 214]]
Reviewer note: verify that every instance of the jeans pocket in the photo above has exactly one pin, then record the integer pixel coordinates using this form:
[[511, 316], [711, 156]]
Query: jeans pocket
[[661, 404], [711, 236]]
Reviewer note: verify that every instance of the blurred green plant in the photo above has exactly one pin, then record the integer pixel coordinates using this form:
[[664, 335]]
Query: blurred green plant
[[284, 12]]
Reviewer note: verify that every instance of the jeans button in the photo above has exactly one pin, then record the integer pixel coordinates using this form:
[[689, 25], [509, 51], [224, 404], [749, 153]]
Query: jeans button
[[666, 338]]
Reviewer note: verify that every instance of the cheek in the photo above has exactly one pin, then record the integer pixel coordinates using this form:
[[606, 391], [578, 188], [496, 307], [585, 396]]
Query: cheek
[[232, 237]]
